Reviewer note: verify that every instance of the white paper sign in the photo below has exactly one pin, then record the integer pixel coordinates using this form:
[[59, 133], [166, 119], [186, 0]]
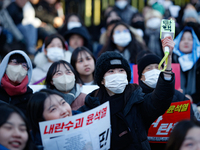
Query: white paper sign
[[86, 131]]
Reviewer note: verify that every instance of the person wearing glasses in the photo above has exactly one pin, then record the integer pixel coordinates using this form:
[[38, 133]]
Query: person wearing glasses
[[15, 75]]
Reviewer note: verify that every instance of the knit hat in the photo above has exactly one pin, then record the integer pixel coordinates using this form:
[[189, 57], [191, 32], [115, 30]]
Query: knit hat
[[110, 60], [18, 57], [145, 61], [190, 13]]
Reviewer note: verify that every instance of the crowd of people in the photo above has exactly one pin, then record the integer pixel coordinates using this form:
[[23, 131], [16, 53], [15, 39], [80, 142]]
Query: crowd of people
[[69, 58]]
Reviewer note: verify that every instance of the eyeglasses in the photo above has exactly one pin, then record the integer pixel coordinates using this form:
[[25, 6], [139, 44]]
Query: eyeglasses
[[14, 62]]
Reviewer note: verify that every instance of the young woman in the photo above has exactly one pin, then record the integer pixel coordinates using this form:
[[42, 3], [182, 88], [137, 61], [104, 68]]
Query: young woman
[[46, 105], [83, 61], [185, 136], [123, 41], [187, 52], [54, 50], [15, 75], [62, 78], [14, 130]]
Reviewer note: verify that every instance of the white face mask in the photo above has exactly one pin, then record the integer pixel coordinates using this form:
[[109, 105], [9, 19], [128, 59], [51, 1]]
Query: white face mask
[[153, 23], [73, 24], [55, 53], [121, 4], [16, 73], [122, 39], [64, 83], [116, 83], [167, 4], [140, 32], [151, 78]]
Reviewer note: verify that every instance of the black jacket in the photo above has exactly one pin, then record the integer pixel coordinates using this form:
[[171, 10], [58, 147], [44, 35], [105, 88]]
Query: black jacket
[[132, 116], [19, 101], [177, 97], [15, 12]]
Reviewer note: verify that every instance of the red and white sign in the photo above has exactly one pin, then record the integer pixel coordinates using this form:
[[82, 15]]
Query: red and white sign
[[91, 127], [161, 128]]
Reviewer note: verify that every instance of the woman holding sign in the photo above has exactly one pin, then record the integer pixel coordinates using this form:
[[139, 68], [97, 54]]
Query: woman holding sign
[[46, 105], [132, 112]]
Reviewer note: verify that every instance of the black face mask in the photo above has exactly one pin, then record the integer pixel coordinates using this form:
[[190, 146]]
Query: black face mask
[[192, 24], [138, 25]]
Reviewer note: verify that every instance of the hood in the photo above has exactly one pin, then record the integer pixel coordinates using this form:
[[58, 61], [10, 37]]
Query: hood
[[5, 60]]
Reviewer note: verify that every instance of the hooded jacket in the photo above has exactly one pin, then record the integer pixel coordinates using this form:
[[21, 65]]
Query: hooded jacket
[[188, 62], [18, 100], [132, 112]]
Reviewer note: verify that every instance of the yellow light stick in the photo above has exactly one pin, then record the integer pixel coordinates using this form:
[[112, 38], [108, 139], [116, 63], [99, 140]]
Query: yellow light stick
[[167, 28]]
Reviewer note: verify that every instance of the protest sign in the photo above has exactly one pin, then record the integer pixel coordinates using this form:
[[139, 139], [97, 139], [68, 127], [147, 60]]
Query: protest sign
[[86, 131], [161, 128]]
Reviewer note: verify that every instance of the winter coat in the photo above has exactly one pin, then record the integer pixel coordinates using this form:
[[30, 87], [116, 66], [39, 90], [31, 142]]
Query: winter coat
[[196, 95], [17, 100], [42, 67], [177, 97], [132, 112], [188, 62], [78, 102], [15, 12]]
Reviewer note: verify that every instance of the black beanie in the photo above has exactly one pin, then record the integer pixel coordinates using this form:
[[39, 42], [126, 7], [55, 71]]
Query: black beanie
[[110, 60], [18, 57], [145, 61]]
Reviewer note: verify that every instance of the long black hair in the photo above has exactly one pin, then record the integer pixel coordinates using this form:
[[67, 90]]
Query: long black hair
[[133, 47], [6, 111], [53, 69], [49, 38], [35, 107], [179, 132], [74, 58]]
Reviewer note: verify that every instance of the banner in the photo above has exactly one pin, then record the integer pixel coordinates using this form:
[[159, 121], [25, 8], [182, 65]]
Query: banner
[[86, 131], [161, 128]]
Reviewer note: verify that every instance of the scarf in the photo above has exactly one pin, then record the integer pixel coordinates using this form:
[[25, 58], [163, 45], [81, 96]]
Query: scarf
[[73, 94], [187, 61], [12, 89]]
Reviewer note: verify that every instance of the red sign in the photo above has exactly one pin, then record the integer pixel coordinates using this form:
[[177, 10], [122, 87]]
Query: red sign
[[161, 128], [59, 127]]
